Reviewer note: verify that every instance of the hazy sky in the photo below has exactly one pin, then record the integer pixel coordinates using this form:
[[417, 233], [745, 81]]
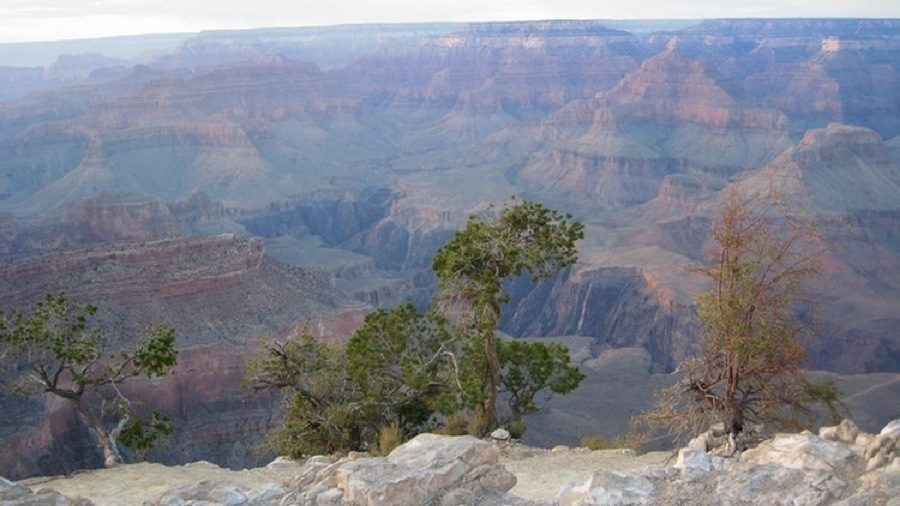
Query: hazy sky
[[33, 20]]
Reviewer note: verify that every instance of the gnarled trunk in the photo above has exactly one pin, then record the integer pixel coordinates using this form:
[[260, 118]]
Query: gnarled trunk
[[106, 440]]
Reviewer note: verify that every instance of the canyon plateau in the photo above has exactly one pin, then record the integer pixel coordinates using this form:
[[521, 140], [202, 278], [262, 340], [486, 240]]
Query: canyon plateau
[[236, 184]]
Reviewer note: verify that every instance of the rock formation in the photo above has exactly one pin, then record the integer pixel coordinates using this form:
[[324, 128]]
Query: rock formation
[[352, 153], [186, 283], [840, 466]]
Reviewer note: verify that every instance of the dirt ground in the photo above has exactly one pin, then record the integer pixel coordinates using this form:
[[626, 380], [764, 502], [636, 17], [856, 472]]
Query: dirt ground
[[539, 473]]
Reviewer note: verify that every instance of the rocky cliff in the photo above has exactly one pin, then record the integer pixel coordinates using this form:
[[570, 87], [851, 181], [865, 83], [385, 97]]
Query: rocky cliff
[[183, 282], [187, 283], [353, 163], [840, 465]]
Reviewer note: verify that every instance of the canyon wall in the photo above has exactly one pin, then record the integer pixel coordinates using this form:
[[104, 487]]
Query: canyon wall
[[242, 182]]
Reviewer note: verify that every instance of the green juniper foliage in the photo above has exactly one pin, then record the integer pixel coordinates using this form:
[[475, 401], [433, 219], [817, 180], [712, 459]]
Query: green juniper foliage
[[402, 362], [407, 371], [56, 349], [392, 372], [320, 405], [472, 269], [529, 368]]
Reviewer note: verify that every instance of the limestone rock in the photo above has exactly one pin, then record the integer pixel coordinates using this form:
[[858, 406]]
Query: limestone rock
[[426, 468], [846, 432], [883, 448], [693, 464], [804, 451], [500, 434], [774, 484], [700, 443], [790, 469], [608, 488], [12, 494], [892, 429], [430, 469]]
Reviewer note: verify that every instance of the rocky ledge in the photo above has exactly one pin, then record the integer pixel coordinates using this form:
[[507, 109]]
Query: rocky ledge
[[839, 466]]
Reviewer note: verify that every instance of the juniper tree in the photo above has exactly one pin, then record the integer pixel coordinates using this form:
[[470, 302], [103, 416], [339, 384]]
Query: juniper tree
[[472, 269], [337, 398], [750, 366], [320, 405], [56, 349], [403, 362], [529, 368]]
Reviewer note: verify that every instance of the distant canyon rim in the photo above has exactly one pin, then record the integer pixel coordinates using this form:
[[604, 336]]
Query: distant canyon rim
[[235, 184]]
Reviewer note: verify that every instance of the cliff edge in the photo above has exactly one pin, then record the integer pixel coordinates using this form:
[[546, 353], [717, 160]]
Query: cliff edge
[[840, 466]]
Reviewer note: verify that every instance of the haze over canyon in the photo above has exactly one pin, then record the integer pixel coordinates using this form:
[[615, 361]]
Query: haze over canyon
[[234, 184]]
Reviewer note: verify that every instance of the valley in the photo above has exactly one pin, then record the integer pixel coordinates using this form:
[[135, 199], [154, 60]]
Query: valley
[[236, 184]]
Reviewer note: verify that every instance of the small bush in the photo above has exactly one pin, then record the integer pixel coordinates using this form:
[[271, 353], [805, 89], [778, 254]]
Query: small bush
[[593, 442], [517, 429], [457, 424], [389, 437], [601, 443], [478, 425]]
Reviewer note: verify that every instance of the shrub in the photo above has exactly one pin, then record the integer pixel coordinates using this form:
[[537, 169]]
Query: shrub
[[456, 425], [601, 443], [389, 437], [517, 429], [479, 424]]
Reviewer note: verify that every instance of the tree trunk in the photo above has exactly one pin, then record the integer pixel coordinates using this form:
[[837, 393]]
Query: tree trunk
[[493, 384], [105, 441]]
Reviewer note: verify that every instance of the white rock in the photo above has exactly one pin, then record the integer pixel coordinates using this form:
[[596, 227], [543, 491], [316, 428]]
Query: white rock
[[608, 488], [266, 494], [846, 432], [803, 451], [694, 464], [880, 444], [500, 434], [329, 497], [878, 460], [426, 467], [892, 429], [283, 463], [227, 495], [319, 460], [772, 484], [863, 439], [10, 490], [700, 443]]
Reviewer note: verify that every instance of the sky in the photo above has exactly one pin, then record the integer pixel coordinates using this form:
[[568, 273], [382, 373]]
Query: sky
[[46, 20]]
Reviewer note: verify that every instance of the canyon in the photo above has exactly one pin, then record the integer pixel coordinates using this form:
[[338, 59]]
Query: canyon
[[236, 184]]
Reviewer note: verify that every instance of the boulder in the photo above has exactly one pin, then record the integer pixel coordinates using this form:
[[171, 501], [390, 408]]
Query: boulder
[[805, 452], [13, 494], [219, 493], [608, 488], [790, 469], [892, 429], [846, 432], [694, 464], [883, 448], [500, 434], [430, 469], [775, 484], [426, 469]]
